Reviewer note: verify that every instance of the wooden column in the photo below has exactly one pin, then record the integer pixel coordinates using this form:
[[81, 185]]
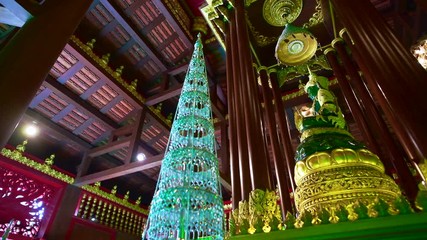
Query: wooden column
[[236, 195], [398, 129], [260, 176], [394, 158], [64, 213], [278, 159], [285, 136], [27, 58], [242, 147], [354, 105], [394, 77]]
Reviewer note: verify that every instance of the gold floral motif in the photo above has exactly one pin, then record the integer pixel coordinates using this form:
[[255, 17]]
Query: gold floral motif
[[262, 208], [352, 215], [260, 39], [291, 72], [333, 217], [256, 199], [317, 16]]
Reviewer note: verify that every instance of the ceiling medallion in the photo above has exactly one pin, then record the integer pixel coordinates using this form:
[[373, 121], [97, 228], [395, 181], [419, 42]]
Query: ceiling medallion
[[295, 46], [279, 12]]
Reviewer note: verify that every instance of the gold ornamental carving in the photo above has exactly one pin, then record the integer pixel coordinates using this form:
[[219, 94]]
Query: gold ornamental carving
[[260, 214], [260, 39], [336, 176], [279, 12]]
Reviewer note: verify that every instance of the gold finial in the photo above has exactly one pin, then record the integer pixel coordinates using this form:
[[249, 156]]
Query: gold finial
[[119, 71], [133, 85], [21, 147], [105, 59], [114, 190], [126, 197], [50, 160], [98, 184], [90, 44], [138, 201], [159, 107], [170, 117]]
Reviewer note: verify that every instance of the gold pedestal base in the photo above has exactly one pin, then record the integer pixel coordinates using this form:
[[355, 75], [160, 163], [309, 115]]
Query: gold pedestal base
[[342, 178]]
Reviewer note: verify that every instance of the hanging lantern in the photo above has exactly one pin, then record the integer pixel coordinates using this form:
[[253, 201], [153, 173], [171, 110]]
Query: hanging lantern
[[295, 46]]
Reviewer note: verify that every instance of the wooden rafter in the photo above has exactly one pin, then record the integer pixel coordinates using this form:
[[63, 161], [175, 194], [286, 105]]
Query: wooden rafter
[[120, 171], [127, 25], [72, 98]]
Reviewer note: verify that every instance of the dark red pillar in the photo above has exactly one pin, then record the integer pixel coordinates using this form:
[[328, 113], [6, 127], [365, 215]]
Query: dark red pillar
[[260, 176], [393, 158], [353, 103], [232, 133], [64, 213], [278, 159], [27, 58], [394, 77], [285, 137], [242, 147]]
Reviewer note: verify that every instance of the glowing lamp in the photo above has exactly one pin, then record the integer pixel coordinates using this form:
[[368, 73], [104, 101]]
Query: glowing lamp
[[140, 157], [31, 130]]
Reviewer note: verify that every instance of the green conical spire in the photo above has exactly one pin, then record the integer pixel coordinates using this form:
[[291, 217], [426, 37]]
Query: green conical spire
[[187, 203]]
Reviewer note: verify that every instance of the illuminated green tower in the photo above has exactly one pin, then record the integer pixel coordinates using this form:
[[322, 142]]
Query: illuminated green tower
[[187, 203]]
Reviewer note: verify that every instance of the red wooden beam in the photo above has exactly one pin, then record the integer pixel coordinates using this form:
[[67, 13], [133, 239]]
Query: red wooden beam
[[165, 95], [120, 171]]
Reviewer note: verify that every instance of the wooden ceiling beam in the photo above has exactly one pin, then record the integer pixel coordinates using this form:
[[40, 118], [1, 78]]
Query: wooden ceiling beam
[[40, 97], [153, 24], [129, 27], [59, 132], [70, 97], [107, 29], [64, 112], [179, 69], [135, 5], [71, 72], [171, 20], [165, 95], [119, 171], [116, 145], [124, 49], [168, 41]]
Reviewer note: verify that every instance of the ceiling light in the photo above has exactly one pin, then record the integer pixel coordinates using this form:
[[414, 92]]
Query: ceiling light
[[140, 157], [31, 130]]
